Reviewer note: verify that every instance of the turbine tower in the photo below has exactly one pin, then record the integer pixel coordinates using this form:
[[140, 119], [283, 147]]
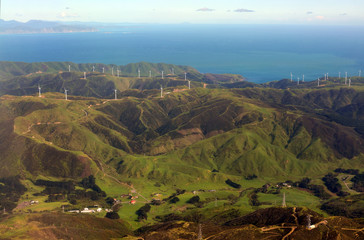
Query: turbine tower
[[346, 77], [162, 74], [298, 81], [327, 74], [172, 71], [303, 78], [349, 82], [291, 77], [185, 76], [116, 94], [118, 71], [84, 75], [65, 94], [284, 200], [103, 70], [138, 73], [199, 236], [69, 68], [161, 91], [189, 84], [150, 73], [39, 91], [93, 68], [318, 82]]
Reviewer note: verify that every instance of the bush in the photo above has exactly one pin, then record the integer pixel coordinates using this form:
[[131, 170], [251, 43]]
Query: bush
[[174, 200], [232, 184], [112, 215], [194, 199]]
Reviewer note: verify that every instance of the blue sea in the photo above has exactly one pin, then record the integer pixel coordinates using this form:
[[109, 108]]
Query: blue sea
[[261, 53]]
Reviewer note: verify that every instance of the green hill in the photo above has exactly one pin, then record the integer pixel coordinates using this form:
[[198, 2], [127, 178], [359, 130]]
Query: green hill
[[188, 141]]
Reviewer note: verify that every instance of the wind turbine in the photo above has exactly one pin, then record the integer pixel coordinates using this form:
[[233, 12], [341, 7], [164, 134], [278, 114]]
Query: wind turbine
[[327, 74], [138, 73], [65, 93], [185, 76], [116, 94], [84, 75], [189, 84], [359, 73], [103, 70], [39, 91], [161, 91], [318, 82], [349, 82], [162, 74], [291, 77], [303, 78], [93, 68], [172, 71], [69, 68], [298, 81], [346, 77], [118, 72], [150, 73]]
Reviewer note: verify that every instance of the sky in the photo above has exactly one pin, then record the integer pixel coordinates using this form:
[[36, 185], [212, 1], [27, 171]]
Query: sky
[[311, 12]]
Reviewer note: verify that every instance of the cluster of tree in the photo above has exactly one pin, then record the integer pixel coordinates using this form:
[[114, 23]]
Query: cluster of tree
[[318, 190], [143, 212], [11, 190], [347, 171], [332, 183], [174, 196], [55, 187], [358, 181], [57, 191], [253, 198], [90, 182], [232, 184], [352, 208]]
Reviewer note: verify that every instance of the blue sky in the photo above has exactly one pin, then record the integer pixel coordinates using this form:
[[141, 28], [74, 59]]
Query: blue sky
[[315, 12]]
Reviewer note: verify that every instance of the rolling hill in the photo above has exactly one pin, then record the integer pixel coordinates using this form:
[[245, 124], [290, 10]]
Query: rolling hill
[[188, 140]]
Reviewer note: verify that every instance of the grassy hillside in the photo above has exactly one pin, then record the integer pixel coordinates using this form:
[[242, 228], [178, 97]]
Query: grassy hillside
[[188, 141]]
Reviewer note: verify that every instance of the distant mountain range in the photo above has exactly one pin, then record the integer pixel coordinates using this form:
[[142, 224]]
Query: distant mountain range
[[38, 26]]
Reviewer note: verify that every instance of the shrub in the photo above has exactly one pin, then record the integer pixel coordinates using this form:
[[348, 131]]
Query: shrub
[[112, 215]]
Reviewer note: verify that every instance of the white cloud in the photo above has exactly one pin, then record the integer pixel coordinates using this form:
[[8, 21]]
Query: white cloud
[[309, 12], [243, 10], [205, 9]]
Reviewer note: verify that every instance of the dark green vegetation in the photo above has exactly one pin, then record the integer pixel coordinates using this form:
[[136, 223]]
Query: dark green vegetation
[[269, 223], [232, 145]]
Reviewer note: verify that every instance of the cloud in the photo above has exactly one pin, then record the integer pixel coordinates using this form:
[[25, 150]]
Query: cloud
[[68, 8], [343, 14], [65, 14], [309, 12], [320, 17], [243, 10], [205, 9]]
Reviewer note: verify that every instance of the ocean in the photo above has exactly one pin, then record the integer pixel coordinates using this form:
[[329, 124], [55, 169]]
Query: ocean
[[260, 53]]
